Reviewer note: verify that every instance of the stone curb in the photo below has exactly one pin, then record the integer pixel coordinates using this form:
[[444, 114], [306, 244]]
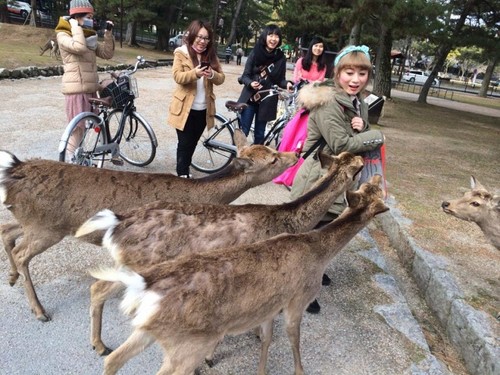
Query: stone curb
[[57, 70], [468, 329]]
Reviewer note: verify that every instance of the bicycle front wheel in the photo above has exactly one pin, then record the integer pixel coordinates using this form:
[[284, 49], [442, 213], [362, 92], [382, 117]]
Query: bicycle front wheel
[[82, 139], [210, 157], [138, 143]]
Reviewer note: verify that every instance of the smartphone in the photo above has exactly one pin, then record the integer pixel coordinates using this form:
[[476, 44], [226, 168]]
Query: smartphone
[[204, 64]]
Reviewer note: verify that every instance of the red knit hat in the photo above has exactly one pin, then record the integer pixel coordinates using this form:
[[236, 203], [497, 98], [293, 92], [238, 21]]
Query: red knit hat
[[80, 6]]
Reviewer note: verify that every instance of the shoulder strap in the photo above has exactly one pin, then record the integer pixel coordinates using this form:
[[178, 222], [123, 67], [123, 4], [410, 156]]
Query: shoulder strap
[[319, 143]]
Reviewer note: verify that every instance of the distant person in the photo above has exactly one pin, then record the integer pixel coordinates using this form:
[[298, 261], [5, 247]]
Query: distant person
[[196, 69], [339, 116], [79, 47], [311, 67], [265, 66], [229, 52], [239, 55]]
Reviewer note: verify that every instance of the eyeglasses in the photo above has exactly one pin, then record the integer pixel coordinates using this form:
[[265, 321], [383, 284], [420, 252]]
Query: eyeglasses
[[203, 38]]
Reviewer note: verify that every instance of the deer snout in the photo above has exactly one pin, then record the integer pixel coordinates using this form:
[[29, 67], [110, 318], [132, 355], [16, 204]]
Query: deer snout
[[445, 206]]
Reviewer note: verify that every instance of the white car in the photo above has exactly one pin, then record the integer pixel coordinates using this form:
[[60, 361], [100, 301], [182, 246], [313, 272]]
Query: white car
[[176, 41], [417, 76], [19, 8]]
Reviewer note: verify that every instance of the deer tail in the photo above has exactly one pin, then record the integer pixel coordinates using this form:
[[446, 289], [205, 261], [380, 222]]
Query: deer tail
[[103, 220]]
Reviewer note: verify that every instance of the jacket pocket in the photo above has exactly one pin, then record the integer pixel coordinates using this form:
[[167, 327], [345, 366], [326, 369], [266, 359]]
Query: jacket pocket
[[177, 103]]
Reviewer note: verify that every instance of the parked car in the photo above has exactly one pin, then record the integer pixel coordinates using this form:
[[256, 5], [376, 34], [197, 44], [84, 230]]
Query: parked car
[[176, 41], [19, 8], [418, 76]]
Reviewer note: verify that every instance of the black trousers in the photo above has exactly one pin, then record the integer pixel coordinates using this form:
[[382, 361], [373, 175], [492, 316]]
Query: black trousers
[[188, 138]]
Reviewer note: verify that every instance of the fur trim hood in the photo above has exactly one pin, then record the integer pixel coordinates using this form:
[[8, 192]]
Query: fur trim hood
[[314, 95]]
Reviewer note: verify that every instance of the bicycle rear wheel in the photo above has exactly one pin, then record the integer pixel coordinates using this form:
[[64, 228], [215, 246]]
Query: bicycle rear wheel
[[138, 143], [210, 158], [81, 139]]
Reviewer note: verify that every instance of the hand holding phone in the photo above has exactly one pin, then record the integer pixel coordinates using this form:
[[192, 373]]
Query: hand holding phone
[[205, 64]]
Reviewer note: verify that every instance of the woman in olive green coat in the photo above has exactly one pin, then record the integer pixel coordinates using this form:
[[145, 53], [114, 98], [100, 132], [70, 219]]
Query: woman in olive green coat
[[339, 116]]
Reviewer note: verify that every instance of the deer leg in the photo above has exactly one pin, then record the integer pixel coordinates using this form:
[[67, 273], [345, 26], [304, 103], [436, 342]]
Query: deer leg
[[31, 245], [100, 292], [266, 336], [136, 343], [186, 354], [293, 318], [10, 233]]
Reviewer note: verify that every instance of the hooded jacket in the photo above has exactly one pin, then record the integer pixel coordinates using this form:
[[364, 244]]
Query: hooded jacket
[[331, 112], [80, 66], [183, 95]]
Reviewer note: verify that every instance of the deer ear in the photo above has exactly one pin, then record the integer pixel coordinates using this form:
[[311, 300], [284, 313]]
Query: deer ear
[[242, 164], [240, 139], [475, 184], [352, 198], [327, 161]]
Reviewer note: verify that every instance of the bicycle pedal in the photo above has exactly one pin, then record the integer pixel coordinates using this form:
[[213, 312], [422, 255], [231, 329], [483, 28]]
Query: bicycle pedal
[[117, 161]]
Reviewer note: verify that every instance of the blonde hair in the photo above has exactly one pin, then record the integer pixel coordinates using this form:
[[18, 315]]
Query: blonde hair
[[354, 59]]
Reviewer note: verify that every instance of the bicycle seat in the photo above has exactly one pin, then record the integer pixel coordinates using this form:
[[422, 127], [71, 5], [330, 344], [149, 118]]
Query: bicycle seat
[[107, 101], [235, 106]]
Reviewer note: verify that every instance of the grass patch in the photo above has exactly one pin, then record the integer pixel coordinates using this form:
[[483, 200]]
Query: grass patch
[[20, 47]]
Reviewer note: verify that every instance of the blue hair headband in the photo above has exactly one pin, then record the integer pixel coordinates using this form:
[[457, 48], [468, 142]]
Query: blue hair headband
[[350, 49]]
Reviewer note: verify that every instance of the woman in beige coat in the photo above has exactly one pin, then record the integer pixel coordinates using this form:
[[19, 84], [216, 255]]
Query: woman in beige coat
[[78, 44], [196, 69]]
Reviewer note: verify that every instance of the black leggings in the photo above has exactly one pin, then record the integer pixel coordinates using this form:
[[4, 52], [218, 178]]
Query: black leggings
[[188, 138]]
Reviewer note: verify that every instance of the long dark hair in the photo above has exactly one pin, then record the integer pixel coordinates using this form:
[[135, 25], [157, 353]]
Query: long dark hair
[[308, 58], [270, 29], [210, 53]]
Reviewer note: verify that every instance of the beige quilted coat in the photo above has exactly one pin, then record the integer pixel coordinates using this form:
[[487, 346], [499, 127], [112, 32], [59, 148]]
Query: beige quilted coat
[[80, 66]]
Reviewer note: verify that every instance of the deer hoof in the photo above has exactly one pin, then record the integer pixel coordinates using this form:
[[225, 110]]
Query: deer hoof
[[13, 278], [210, 362], [43, 317], [105, 351]]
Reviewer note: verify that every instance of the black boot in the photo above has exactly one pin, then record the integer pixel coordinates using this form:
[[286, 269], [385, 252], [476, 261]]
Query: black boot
[[326, 280], [313, 307]]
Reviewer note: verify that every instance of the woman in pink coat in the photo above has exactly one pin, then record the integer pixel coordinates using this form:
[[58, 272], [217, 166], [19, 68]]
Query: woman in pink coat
[[311, 67]]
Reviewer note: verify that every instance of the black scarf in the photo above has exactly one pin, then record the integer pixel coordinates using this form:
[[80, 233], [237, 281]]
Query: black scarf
[[262, 59]]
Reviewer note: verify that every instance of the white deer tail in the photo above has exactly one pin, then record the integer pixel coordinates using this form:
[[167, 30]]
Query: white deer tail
[[103, 220], [7, 160], [134, 282]]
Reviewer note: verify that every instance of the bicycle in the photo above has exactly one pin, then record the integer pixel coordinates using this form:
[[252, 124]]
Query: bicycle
[[116, 132], [216, 148]]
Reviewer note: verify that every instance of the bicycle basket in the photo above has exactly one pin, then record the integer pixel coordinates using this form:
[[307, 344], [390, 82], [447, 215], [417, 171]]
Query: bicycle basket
[[121, 90]]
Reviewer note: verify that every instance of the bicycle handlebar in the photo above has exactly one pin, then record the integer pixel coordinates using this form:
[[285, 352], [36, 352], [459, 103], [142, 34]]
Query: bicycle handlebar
[[140, 61]]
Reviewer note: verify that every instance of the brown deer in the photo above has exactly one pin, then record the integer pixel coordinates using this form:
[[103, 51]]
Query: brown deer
[[190, 303], [51, 200], [52, 46], [163, 230], [481, 207]]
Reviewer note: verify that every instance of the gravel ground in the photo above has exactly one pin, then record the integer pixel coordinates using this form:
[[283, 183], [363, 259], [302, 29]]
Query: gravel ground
[[365, 325]]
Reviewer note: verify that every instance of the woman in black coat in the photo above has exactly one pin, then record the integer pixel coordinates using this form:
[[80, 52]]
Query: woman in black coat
[[265, 67]]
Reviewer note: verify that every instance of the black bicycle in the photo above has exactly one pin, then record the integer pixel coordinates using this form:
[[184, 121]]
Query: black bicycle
[[216, 148], [116, 132]]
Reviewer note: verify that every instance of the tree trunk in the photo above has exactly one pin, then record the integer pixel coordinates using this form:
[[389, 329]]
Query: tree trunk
[[443, 51], [234, 21], [483, 91], [355, 36], [382, 81], [33, 13], [130, 36]]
